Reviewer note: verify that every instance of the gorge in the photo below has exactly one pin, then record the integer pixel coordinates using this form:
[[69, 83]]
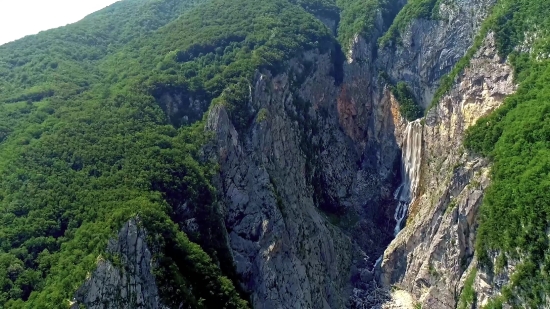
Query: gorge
[[278, 154]]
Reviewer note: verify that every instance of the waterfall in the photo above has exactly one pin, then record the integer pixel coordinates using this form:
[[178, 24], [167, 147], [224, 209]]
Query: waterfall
[[378, 262], [411, 156]]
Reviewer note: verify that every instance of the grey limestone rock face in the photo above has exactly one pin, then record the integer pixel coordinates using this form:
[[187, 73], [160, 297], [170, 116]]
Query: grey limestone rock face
[[287, 253], [130, 283], [180, 108], [429, 49], [309, 158]]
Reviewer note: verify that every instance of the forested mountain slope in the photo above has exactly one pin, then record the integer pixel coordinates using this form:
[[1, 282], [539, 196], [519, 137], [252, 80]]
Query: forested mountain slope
[[237, 154], [86, 145]]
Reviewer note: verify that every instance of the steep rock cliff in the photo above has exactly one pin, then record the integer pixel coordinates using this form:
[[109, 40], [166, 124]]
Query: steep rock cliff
[[429, 48], [288, 252], [129, 283]]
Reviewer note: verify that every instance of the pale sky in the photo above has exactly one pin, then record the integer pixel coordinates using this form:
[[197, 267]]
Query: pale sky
[[19, 18]]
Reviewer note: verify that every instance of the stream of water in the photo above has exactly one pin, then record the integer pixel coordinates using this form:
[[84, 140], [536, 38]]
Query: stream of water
[[411, 157]]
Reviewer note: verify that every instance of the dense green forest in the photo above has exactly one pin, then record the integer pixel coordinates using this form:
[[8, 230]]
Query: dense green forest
[[516, 210]]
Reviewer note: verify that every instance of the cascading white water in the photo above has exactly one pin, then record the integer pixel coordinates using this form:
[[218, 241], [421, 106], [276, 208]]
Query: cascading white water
[[378, 262], [401, 210], [410, 171]]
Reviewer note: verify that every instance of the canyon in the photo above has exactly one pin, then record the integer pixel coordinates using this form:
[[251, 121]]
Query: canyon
[[312, 182], [381, 175]]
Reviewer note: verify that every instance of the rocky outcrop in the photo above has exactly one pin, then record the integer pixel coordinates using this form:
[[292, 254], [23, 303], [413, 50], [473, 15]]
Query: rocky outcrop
[[429, 48], [431, 256], [305, 189], [124, 279], [180, 107]]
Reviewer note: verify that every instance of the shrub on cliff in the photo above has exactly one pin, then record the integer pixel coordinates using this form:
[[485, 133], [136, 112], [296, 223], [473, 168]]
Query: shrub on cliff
[[407, 103]]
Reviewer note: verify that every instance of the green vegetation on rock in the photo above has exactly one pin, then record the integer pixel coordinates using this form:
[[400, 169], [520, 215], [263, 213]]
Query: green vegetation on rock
[[468, 297], [357, 18], [515, 216], [414, 9], [353, 17], [407, 103]]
